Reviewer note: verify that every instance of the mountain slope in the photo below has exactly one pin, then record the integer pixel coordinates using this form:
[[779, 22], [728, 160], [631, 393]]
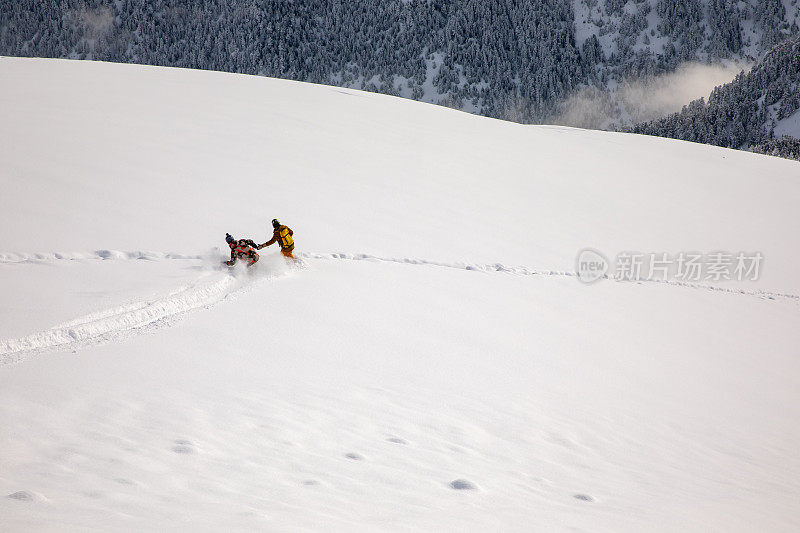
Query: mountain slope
[[441, 180], [431, 364], [755, 108]]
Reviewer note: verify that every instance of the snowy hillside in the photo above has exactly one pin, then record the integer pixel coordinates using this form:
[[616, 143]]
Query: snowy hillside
[[431, 362]]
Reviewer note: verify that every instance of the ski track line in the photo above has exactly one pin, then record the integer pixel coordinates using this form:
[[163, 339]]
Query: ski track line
[[116, 255], [525, 271], [212, 287], [121, 322], [104, 255]]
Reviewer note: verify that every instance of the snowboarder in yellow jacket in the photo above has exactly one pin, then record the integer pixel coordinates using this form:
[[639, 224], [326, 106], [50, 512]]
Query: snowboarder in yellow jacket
[[283, 236]]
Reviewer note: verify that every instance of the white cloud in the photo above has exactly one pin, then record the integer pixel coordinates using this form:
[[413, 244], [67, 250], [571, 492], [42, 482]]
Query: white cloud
[[644, 99]]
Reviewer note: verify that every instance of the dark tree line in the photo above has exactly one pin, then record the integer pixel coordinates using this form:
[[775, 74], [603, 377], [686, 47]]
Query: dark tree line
[[504, 58], [743, 113], [786, 147]]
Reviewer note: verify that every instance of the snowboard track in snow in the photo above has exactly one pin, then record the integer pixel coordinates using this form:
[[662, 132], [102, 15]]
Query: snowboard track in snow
[[213, 286], [121, 322]]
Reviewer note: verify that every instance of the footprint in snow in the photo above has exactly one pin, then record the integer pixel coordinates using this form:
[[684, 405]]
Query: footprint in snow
[[397, 440], [462, 484], [583, 497], [354, 456], [183, 446], [22, 495]]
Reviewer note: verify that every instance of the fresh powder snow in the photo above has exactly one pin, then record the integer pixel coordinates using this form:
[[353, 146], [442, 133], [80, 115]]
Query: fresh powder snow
[[430, 361]]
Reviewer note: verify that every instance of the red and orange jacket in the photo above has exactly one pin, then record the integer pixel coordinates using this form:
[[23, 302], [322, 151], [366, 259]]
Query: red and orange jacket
[[240, 252]]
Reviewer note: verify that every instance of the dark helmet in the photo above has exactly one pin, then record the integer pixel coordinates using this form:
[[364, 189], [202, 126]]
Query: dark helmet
[[229, 239], [275, 223]]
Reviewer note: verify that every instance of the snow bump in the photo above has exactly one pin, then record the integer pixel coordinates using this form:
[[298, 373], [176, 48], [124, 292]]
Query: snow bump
[[462, 484], [22, 495]]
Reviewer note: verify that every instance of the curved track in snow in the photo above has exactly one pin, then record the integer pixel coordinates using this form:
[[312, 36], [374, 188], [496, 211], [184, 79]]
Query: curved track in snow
[[214, 286], [116, 323], [119, 322]]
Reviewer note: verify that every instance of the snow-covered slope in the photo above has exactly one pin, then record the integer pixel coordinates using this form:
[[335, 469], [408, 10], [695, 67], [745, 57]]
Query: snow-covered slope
[[432, 338], [789, 126]]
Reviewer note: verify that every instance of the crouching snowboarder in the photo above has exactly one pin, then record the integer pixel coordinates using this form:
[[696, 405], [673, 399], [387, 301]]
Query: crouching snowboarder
[[283, 236], [241, 249]]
